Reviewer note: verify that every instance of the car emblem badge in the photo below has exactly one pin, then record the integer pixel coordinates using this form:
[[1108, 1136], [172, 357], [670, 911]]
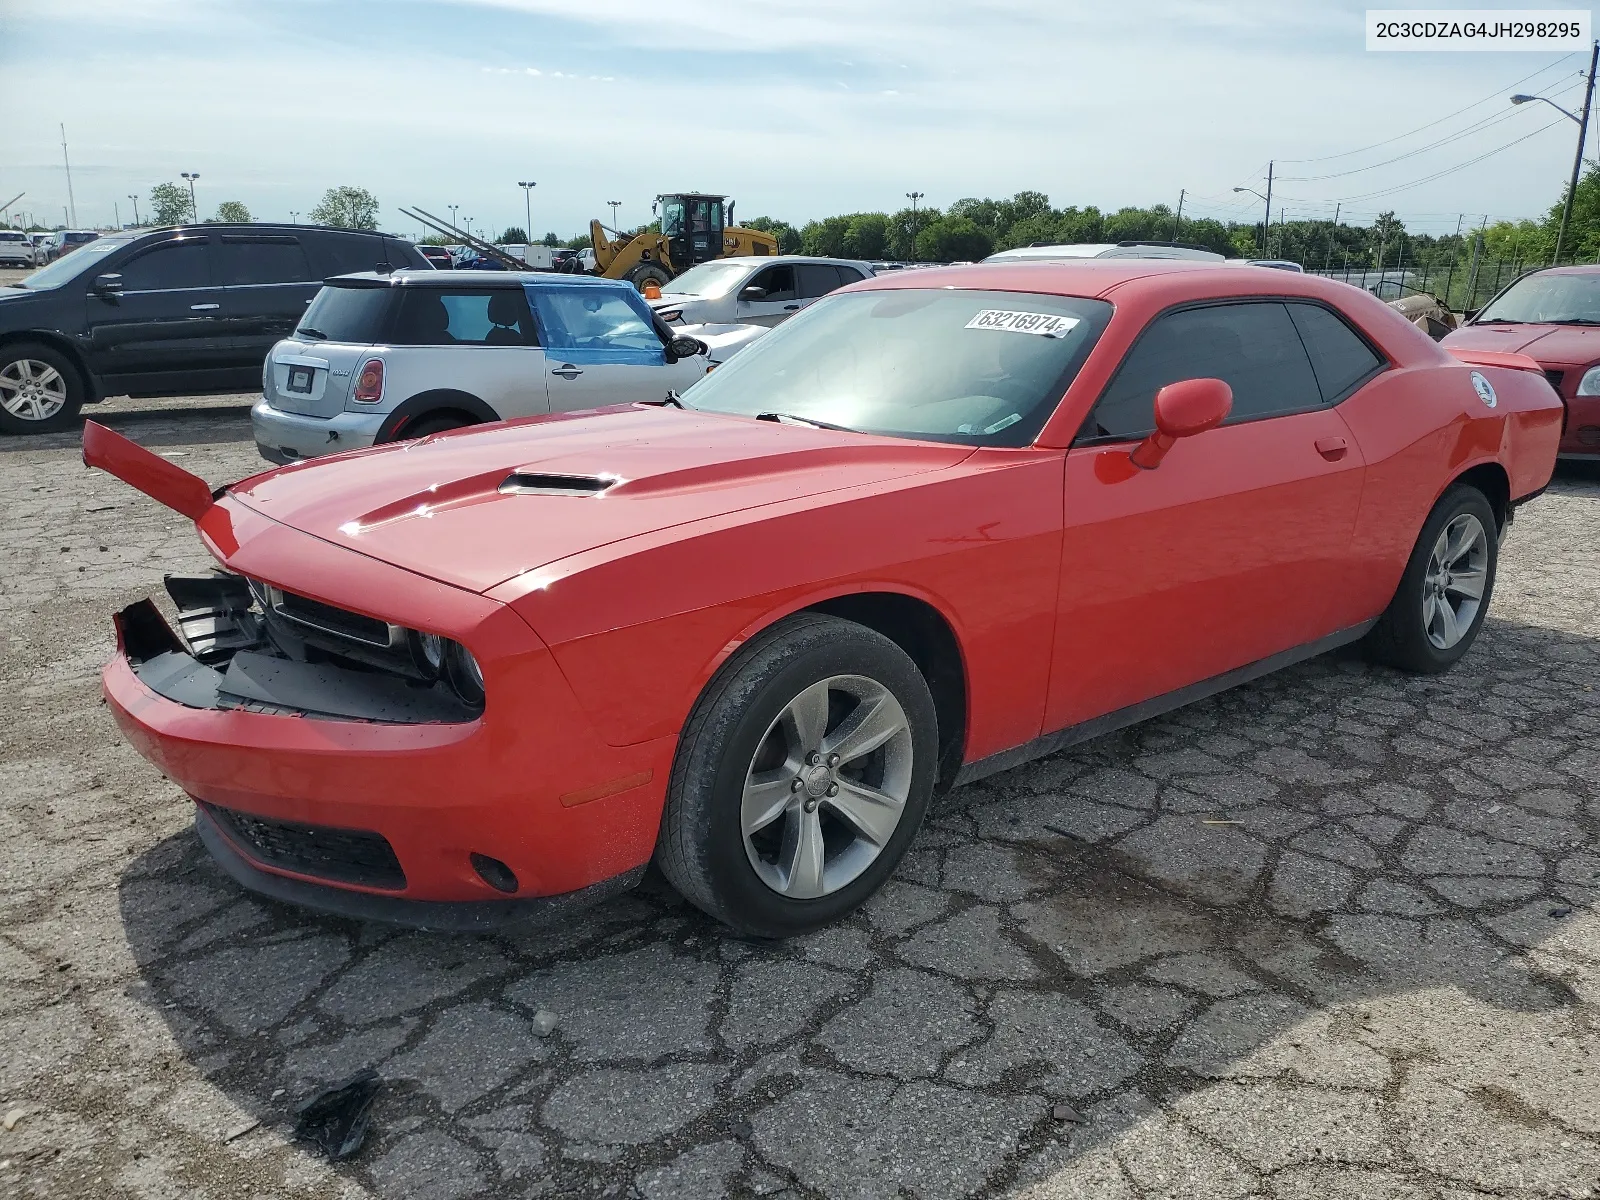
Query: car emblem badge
[[1484, 388]]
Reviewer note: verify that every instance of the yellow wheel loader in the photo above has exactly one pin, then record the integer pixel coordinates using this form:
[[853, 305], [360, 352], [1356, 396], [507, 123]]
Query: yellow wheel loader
[[692, 232]]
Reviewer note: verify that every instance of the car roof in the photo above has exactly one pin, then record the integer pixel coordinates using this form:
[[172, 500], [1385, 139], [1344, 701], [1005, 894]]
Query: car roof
[[767, 260], [421, 277], [1095, 278]]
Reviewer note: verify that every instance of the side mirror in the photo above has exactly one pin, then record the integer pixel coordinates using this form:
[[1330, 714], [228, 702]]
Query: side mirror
[[107, 285], [1183, 409], [685, 347], [753, 293]]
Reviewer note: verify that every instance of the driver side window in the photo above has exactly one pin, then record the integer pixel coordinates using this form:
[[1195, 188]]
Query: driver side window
[[777, 282]]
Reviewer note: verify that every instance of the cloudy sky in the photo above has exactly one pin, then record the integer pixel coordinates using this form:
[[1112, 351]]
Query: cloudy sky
[[797, 108]]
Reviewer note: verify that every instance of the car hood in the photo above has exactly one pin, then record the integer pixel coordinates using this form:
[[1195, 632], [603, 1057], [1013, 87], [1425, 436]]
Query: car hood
[[1562, 345], [475, 507], [13, 293]]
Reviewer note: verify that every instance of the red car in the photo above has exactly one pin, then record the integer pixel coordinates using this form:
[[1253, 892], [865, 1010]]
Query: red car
[[937, 524], [1552, 316]]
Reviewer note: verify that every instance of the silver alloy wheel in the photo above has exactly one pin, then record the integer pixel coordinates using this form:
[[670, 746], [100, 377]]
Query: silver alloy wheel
[[827, 786], [1452, 587], [31, 390]]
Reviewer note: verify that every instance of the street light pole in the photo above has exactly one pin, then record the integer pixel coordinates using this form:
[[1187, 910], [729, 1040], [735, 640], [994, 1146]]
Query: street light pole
[[1577, 159], [527, 208], [194, 210], [453, 208], [615, 205], [135, 200], [914, 197]]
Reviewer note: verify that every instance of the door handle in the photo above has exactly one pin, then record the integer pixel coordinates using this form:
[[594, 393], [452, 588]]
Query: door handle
[[1332, 447], [203, 307], [566, 371], [791, 308]]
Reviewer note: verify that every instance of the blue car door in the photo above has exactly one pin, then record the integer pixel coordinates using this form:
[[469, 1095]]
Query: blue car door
[[602, 347]]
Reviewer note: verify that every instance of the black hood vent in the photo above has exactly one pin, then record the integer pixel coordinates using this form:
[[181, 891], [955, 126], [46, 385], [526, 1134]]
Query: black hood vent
[[533, 483]]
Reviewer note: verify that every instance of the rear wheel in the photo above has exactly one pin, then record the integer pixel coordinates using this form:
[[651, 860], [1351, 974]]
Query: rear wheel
[[1444, 594], [802, 775], [40, 389]]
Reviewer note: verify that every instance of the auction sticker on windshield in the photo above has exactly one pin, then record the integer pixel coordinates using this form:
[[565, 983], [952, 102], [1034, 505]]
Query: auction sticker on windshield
[[1043, 324]]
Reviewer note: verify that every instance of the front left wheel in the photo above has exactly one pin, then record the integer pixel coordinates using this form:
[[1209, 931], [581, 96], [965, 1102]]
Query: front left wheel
[[802, 775]]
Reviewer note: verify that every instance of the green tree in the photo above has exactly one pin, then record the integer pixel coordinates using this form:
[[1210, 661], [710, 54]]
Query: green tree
[[550, 239], [581, 242], [513, 235], [347, 207], [867, 236], [169, 204], [788, 236], [233, 212], [954, 239], [434, 239]]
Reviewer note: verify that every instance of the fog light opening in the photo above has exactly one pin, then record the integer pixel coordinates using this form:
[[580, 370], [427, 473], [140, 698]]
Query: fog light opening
[[495, 873]]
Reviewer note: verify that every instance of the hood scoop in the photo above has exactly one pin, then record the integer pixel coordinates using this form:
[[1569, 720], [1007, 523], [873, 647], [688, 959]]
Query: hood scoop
[[536, 483]]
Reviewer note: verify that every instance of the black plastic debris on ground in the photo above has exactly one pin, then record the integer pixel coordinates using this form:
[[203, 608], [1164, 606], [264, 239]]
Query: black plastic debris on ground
[[335, 1120]]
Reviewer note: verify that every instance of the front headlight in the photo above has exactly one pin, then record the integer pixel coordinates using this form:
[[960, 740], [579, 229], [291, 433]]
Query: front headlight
[[465, 676], [1589, 385]]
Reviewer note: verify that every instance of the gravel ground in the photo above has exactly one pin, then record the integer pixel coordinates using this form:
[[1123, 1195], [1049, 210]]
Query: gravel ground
[[1330, 935]]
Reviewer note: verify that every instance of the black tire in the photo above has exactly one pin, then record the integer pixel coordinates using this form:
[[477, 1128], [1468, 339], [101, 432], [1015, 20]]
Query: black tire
[[11, 358], [1400, 639], [701, 848], [424, 426], [649, 272]]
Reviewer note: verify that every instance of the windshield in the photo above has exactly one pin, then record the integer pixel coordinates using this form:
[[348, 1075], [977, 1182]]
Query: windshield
[[977, 367], [1546, 299], [672, 218], [708, 279], [346, 314], [72, 264]]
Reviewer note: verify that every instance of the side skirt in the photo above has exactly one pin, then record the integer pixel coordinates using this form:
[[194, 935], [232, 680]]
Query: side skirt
[[1072, 735]]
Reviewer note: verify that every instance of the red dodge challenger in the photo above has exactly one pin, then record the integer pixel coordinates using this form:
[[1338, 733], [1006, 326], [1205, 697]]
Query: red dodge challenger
[[938, 524], [1551, 316]]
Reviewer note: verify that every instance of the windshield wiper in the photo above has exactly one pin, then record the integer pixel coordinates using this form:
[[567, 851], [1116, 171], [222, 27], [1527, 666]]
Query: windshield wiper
[[791, 419], [1496, 321], [1573, 321], [670, 398], [315, 334]]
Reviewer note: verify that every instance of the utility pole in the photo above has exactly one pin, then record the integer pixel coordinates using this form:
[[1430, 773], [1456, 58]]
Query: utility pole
[[1454, 255], [1327, 262], [117, 213], [527, 208], [1177, 222], [135, 200], [1266, 227], [67, 163], [1577, 159], [914, 197]]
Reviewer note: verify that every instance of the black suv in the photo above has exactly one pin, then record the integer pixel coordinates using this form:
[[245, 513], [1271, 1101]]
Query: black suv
[[189, 309]]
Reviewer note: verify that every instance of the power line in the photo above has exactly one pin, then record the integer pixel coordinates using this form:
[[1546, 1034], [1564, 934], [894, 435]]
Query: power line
[[1477, 127], [1390, 191], [1431, 124]]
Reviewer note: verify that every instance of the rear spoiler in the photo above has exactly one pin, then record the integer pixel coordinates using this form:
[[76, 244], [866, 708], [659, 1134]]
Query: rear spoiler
[[150, 473], [1495, 358]]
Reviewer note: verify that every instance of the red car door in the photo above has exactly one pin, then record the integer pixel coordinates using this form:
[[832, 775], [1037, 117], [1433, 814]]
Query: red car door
[[1236, 548]]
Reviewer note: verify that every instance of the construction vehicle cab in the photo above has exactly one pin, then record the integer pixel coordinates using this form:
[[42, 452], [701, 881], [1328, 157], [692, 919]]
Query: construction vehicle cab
[[695, 228], [692, 225]]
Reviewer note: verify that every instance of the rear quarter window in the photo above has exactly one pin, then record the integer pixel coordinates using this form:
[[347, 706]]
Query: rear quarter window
[[1340, 357], [348, 314]]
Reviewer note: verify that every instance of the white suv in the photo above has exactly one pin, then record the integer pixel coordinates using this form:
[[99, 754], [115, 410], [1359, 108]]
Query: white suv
[[16, 248], [380, 358]]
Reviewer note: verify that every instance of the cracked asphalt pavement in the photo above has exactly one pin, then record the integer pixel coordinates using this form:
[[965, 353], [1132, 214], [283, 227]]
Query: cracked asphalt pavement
[[1331, 935]]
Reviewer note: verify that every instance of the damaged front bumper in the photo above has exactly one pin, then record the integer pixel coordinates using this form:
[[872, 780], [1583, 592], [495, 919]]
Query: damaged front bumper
[[355, 788]]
